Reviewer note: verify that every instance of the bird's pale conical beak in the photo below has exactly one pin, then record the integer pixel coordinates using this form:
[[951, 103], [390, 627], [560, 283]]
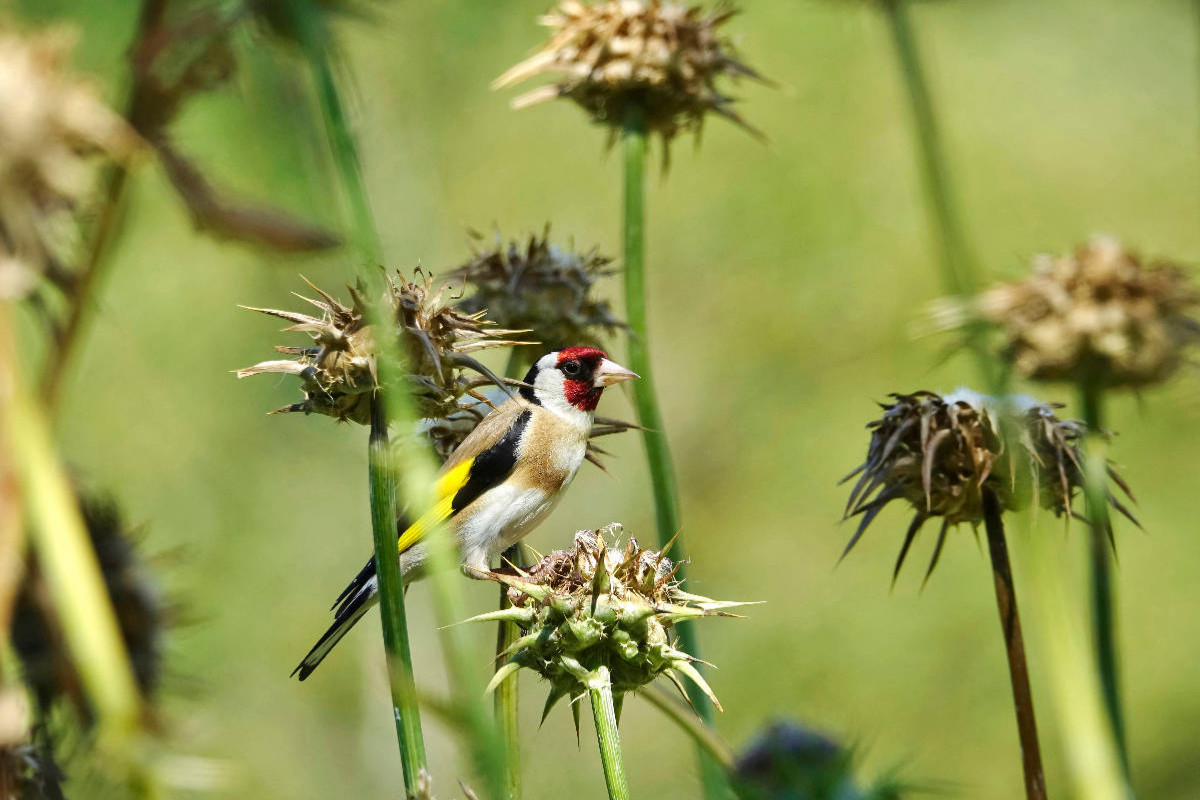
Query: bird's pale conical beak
[[609, 373]]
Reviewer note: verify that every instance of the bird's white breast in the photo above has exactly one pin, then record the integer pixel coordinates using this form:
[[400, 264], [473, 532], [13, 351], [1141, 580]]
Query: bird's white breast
[[500, 518]]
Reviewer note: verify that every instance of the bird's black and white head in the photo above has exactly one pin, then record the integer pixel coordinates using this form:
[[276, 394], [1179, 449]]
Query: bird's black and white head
[[570, 381]]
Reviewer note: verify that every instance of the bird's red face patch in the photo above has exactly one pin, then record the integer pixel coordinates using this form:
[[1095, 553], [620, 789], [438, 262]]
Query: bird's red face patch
[[578, 366]]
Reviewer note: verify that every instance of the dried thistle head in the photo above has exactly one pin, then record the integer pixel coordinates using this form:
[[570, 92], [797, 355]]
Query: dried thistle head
[[1097, 315], [659, 56], [539, 287], [600, 605], [786, 761], [53, 123], [142, 615], [940, 454], [338, 372]]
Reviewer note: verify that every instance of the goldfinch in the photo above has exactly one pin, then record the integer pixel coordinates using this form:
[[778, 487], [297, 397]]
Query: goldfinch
[[502, 481]]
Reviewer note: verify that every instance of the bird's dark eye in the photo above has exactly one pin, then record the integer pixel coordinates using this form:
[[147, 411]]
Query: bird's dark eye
[[570, 368]]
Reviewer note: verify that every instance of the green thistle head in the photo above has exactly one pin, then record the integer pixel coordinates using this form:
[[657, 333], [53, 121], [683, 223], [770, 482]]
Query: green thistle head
[[596, 606]]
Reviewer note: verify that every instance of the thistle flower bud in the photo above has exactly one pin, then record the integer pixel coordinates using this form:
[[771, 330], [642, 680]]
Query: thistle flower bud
[[52, 123], [141, 614], [786, 761], [599, 605], [662, 56], [539, 287], [1096, 315], [941, 453], [338, 374]]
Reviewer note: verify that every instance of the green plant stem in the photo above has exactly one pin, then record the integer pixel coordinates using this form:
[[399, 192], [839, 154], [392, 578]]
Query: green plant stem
[[609, 739], [413, 461], [64, 549], [703, 735], [505, 703], [1014, 646], [391, 605], [1103, 589], [82, 296], [658, 455], [953, 253], [1087, 737]]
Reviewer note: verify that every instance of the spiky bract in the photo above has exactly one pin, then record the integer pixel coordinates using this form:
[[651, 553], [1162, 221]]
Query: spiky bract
[[52, 124], [599, 605], [1099, 315], [540, 287], [339, 376], [661, 56], [940, 454]]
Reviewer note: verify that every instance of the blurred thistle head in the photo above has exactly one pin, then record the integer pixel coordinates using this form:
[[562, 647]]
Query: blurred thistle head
[[787, 761], [338, 373], [53, 124], [599, 605], [539, 287], [142, 614], [940, 454], [29, 771], [658, 57], [1098, 315]]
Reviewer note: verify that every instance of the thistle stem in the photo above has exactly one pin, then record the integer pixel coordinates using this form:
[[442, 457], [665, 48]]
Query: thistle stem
[[1014, 645], [506, 700], [87, 281], [391, 600], [60, 539], [412, 467], [609, 739], [703, 735], [1103, 589], [953, 253], [658, 455]]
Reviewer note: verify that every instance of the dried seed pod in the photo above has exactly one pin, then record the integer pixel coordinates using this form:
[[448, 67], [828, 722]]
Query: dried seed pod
[[338, 374], [786, 761], [53, 122], [661, 56], [600, 605], [941, 453], [1097, 315], [141, 613], [539, 287]]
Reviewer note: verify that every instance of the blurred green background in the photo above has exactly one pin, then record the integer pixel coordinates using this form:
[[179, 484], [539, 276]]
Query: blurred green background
[[785, 280]]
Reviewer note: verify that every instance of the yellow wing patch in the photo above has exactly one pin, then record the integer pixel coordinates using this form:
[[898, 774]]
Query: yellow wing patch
[[443, 501]]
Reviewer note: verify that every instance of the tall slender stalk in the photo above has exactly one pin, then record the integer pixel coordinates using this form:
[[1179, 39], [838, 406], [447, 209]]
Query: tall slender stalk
[[954, 255], [1087, 737], [1014, 642], [658, 455], [705, 736], [61, 540], [609, 739], [1103, 590], [506, 701], [391, 604], [412, 465], [87, 281]]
